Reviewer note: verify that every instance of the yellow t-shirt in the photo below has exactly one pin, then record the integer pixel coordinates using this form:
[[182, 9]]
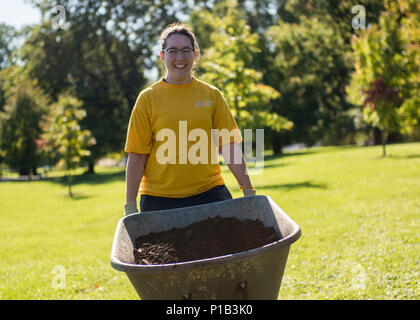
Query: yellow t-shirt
[[175, 125]]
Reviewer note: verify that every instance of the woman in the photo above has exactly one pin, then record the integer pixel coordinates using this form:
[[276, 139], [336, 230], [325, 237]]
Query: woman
[[165, 123]]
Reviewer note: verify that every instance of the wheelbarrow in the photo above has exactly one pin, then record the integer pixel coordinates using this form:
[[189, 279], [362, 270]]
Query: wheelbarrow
[[254, 274]]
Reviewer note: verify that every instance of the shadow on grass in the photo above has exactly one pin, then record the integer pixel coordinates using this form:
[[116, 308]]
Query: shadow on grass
[[292, 186], [93, 179], [19, 179], [267, 166], [397, 157], [409, 156], [288, 154], [271, 157], [77, 196]]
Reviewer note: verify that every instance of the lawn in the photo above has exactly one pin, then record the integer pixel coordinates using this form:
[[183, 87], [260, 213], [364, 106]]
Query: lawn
[[359, 214]]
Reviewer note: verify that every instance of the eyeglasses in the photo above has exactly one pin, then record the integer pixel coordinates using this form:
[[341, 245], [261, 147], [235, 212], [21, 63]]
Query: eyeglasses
[[187, 52]]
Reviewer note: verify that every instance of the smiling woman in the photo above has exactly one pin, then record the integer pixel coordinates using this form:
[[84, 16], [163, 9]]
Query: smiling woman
[[181, 105], [175, 39]]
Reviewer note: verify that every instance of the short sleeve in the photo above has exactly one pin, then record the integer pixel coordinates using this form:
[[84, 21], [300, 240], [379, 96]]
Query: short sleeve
[[224, 122], [139, 133]]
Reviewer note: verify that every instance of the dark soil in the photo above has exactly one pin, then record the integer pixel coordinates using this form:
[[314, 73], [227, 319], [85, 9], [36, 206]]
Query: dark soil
[[204, 239]]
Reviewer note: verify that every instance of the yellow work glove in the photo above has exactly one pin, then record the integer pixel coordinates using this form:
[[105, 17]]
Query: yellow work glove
[[249, 191], [130, 207]]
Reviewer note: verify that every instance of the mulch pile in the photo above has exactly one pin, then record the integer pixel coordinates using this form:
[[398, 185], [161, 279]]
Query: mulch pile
[[204, 239]]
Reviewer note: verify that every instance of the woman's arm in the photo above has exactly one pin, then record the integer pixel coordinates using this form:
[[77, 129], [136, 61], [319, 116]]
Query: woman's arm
[[134, 173], [234, 158]]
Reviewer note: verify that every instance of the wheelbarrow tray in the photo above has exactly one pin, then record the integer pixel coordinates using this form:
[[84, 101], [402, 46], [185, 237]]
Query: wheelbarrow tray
[[253, 274]]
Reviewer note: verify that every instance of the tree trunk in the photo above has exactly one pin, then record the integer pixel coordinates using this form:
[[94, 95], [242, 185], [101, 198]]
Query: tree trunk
[[377, 136], [23, 171], [69, 184], [91, 167], [276, 144], [383, 140]]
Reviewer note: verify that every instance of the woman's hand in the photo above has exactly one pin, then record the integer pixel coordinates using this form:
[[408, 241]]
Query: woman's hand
[[130, 207]]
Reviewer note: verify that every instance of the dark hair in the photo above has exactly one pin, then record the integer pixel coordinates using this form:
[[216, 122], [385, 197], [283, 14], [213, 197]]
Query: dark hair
[[179, 28]]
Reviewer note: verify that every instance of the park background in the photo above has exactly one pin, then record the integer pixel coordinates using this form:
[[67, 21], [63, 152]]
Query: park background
[[334, 85]]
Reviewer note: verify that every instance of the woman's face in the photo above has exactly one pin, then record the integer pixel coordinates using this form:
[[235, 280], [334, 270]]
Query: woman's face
[[178, 63]]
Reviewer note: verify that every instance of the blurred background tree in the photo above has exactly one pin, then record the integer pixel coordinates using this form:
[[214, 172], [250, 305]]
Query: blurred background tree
[[64, 137], [20, 121], [101, 54], [386, 80], [7, 45], [227, 64], [309, 62], [7, 48], [310, 67]]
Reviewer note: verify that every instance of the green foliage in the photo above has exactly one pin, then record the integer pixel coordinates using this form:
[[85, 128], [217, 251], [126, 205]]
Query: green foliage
[[77, 60], [64, 135], [339, 13], [7, 46], [308, 64], [20, 121], [101, 56], [226, 64], [409, 112], [312, 37], [386, 80]]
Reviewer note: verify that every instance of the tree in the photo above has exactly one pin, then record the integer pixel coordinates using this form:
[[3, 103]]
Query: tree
[[64, 135], [309, 67], [101, 55], [319, 111], [386, 80], [226, 64], [339, 12], [7, 45], [258, 16], [20, 121]]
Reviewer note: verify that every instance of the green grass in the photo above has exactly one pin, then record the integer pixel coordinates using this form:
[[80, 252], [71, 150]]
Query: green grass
[[359, 214]]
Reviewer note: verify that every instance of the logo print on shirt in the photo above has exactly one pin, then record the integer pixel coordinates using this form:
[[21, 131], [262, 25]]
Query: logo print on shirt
[[205, 103]]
